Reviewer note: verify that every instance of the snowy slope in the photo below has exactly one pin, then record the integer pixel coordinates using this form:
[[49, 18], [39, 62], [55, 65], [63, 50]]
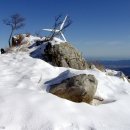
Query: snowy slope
[[25, 103]]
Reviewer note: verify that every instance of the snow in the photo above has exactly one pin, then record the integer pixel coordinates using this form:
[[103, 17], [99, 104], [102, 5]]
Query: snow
[[25, 103], [31, 39], [56, 41]]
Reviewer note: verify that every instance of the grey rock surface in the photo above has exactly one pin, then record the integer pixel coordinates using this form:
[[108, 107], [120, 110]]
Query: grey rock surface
[[64, 55], [80, 88]]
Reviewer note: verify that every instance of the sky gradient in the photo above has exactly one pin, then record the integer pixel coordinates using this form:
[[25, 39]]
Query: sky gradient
[[100, 28]]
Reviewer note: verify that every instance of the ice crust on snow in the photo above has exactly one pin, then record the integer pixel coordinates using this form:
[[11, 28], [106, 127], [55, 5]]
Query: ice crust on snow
[[25, 103]]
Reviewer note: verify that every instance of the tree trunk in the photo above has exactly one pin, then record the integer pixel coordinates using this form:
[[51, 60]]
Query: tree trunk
[[10, 37]]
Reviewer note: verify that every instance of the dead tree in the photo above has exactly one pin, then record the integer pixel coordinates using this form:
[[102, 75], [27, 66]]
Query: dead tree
[[16, 21], [58, 22]]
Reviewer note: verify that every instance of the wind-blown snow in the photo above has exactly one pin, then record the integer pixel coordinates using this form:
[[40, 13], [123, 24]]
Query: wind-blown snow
[[25, 103]]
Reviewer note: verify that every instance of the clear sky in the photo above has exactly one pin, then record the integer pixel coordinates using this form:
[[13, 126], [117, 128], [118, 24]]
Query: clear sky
[[100, 28]]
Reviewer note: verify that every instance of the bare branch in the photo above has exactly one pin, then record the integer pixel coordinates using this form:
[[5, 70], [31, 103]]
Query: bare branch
[[15, 21], [58, 22]]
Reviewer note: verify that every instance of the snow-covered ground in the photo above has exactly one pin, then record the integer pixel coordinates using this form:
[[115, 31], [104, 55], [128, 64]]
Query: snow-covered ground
[[25, 103]]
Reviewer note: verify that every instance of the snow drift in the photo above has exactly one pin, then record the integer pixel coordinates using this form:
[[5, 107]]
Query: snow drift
[[25, 103]]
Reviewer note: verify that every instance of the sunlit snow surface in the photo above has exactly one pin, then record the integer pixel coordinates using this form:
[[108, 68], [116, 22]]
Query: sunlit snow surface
[[25, 103]]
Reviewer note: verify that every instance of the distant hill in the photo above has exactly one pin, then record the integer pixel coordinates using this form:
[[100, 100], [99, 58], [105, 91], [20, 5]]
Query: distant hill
[[116, 64]]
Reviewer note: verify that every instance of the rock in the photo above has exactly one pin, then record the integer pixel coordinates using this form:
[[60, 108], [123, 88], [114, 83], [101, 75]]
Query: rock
[[92, 66], [16, 40], [97, 65], [39, 42], [129, 80], [97, 101], [2, 51], [118, 74], [80, 88], [64, 55]]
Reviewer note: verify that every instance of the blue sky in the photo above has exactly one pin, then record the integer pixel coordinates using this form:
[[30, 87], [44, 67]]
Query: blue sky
[[100, 28]]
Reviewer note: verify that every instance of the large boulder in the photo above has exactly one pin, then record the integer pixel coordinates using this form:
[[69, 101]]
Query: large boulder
[[80, 88], [64, 55]]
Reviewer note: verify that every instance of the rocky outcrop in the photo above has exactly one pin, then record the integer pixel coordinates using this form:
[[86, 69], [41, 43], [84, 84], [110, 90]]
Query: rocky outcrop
[[80, 88], [64, 55]]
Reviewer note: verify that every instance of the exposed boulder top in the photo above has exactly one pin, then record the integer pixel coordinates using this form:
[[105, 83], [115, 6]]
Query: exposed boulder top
[[64, 55], [80, 88]]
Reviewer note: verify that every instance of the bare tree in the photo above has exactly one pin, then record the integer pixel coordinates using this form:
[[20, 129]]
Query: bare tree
[[58, 22], [16, 21]]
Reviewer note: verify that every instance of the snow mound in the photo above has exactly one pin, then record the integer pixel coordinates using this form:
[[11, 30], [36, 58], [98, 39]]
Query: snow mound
[[29, 44], [25, 103], [56, 41]]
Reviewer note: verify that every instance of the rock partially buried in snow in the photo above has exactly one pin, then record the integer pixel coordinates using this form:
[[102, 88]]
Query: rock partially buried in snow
[[116, 73], [80, 88], [129, 80], [64, 55]]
